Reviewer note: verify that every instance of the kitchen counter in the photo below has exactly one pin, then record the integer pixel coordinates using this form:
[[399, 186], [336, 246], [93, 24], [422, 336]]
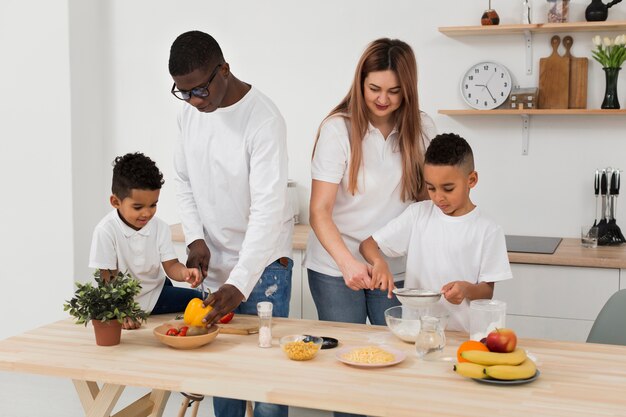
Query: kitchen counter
[[569, 252]]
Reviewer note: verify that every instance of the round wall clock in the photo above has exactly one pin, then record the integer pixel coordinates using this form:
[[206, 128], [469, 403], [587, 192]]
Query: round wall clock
[[486, 85]]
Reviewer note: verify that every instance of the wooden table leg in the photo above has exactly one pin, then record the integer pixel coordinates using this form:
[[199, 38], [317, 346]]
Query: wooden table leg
[[100, 402]]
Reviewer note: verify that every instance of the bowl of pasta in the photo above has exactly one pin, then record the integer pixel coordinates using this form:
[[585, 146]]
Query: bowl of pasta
[[370, 356], [300, 347]]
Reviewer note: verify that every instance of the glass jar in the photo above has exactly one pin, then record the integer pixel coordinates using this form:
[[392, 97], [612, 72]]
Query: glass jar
[[431, 339], [486, 316], [264, 310], [558, 11], [292, 191]]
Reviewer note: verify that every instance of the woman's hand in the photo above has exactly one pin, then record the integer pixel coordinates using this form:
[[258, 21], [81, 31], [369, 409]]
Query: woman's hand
[[130, 324], [192, 276], [356, 275], [382, 278]]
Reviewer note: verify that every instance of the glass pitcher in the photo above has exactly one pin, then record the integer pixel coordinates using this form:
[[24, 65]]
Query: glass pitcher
[[431, 339]]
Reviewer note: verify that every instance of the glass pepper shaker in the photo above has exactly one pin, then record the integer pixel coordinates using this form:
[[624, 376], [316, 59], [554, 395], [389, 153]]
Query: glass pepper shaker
[[264, 310]]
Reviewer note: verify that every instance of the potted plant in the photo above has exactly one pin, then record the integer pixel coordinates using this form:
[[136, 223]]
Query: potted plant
[[106, 305]]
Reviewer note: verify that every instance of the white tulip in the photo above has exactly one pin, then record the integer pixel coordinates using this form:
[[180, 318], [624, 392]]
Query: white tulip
[[620, 40], [607, 41], [597, 41]]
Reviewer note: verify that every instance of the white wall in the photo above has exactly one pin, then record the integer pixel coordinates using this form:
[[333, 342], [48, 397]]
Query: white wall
[[303, 56], [36, 252]]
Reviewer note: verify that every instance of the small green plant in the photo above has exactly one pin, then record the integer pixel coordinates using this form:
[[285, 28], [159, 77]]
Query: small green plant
[[109, 300]]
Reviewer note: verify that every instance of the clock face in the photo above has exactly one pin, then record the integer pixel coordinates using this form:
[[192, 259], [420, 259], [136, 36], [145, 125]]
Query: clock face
[[486, 85]]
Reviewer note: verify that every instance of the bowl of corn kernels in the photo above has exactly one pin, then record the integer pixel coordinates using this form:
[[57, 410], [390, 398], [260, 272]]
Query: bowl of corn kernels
[[299, 347]]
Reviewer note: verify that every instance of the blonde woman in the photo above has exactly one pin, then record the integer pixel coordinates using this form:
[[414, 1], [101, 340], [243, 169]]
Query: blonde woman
[[366, 169]]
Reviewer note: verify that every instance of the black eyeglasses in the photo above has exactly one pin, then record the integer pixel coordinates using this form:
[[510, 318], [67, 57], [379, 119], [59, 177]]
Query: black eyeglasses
[[200, 92]]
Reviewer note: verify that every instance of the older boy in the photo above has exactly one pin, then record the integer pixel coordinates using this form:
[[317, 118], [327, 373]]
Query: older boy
[[449, 243], [130, 239]]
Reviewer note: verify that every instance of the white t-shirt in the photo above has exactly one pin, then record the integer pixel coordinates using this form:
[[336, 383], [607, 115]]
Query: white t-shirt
[[231, 175], [115, 245], [441, 248], [378, 197]]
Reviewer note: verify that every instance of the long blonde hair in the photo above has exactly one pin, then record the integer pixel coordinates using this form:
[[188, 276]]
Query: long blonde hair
[[381, 55]]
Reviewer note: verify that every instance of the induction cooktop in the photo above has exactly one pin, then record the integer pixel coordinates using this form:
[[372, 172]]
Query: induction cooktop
[[532, 244]]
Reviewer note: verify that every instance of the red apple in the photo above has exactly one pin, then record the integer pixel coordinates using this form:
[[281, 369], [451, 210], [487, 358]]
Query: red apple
[[502, 340]]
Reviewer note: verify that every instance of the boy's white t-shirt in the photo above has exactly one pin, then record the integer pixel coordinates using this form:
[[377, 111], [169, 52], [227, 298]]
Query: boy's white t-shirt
[[379, 189], [441, 248], [115, 245]]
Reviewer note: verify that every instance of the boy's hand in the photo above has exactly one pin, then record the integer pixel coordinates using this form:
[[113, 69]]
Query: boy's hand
[[382, 277], [192, 276], [456, 291], [130, 324], [356, 275], [199, 256]]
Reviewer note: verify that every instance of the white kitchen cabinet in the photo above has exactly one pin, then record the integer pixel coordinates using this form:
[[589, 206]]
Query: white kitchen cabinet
[[556, 302]]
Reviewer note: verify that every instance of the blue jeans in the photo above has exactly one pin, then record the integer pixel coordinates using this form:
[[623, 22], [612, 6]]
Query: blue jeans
[[275, 286], [173, 299], [336, 302]]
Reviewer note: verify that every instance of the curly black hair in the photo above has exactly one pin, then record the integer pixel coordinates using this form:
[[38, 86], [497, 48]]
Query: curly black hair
[[449, 149], [135, 171], [193, 50]]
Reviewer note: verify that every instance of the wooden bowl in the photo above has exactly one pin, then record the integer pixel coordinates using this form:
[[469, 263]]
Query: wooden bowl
[[184, 342]]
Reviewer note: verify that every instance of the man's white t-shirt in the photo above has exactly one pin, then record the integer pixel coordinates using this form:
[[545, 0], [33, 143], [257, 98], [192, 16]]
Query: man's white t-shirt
[[231, 175], [379, 189], [441, 248], [115, 245]]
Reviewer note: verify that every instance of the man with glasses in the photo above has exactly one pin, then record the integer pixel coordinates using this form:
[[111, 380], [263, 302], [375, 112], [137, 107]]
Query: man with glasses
[[231, 173]]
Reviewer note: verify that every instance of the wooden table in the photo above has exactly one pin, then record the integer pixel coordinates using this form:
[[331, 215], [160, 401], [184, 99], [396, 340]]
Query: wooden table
[[577, 379]]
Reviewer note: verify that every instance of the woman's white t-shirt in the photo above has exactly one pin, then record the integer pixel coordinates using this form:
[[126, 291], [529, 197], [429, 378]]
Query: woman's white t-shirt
[[378, 197], [441, 248]]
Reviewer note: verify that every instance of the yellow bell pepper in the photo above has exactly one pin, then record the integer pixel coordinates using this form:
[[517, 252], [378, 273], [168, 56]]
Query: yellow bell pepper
[[195, 312]]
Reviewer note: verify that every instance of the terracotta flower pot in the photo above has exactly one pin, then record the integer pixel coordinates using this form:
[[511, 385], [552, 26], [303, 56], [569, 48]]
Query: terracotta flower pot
[[107, 333]]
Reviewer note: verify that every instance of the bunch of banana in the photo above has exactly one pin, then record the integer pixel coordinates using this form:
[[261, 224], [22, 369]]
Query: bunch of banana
[[506, 366]]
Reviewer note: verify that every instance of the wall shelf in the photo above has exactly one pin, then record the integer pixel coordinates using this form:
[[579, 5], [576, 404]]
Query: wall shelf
[[454, 31], [534, 112], [528, 30]]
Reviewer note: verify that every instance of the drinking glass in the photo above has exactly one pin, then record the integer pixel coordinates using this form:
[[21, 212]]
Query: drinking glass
[[589, 236], [485, 316]]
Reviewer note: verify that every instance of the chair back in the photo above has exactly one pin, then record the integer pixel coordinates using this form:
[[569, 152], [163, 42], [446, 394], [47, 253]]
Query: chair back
[[610, 325]]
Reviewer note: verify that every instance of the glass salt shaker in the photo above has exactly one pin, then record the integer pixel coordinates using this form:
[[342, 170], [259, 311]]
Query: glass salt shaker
[[264, 310], [431, 339]]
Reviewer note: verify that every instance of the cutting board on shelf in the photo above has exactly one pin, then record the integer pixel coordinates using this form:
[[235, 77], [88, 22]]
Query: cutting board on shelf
[[577, 77], [554, 79], [241, 324]]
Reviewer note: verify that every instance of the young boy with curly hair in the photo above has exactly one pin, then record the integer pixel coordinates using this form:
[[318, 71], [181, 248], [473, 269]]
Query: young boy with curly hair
[[449, 243], [131, 239]]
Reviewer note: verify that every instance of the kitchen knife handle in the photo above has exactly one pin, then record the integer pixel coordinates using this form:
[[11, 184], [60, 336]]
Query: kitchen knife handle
[[613, 187], [603, 183], [596, 183], [617, 181]]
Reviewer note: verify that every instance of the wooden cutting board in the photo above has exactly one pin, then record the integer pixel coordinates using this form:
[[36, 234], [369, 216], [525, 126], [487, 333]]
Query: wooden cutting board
[[554, 79], [241, 324], [577, 77]]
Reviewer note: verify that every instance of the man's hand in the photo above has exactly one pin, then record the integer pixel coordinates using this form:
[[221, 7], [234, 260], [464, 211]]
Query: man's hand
[[199, 256], [223, 301]]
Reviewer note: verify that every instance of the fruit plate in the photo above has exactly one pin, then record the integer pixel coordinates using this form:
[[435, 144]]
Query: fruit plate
[[399, 356], [511, 382]]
